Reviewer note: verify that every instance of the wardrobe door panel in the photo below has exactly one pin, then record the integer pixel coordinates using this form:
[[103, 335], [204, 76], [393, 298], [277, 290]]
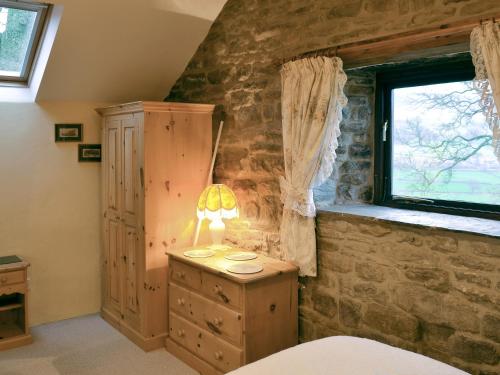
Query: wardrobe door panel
[[113, 165], [130, 272], [130, 169], [112, 261]]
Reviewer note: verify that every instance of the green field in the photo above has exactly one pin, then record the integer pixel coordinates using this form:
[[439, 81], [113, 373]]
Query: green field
[[465, 185]]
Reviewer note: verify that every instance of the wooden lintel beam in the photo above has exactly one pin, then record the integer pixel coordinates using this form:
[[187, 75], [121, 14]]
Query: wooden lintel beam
[[385, 48]]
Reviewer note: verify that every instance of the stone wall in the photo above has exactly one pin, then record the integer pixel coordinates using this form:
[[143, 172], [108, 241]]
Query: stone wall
[[426, 290], [352, 178], [235, 68]]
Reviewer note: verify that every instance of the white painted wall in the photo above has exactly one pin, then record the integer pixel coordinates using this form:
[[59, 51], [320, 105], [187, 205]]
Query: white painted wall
[[49, 205]]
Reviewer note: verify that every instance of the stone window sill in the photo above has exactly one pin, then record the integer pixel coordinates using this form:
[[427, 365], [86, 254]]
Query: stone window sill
[[477, 226]]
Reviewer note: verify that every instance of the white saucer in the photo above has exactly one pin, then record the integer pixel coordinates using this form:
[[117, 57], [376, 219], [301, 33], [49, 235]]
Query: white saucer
[[244, 268], [241, 255], [199, 253]]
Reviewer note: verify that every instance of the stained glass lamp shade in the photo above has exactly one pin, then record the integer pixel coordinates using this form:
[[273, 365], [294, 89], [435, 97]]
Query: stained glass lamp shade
[[217, 202]]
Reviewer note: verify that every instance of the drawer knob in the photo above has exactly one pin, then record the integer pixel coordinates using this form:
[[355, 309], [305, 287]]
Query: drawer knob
[[217, 321], [3, 280], [181, 301], [181, 275], [218, 355], [216, 289], [181, 333]]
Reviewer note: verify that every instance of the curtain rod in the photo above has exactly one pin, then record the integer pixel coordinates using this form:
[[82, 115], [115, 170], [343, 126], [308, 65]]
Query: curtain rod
[[442, 35]]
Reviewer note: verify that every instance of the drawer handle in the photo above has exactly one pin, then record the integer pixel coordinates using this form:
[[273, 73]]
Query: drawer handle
[[3, 280], [218, 291], [181, 333], [181, 275], [181, 301], [219, 355], [213, 327]]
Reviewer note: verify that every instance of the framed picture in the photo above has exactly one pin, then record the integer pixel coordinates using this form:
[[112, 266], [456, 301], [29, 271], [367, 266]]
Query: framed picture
[[89, 152], [68, 132]]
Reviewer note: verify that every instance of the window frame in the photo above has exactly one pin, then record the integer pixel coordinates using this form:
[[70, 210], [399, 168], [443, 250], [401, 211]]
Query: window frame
[[34, 43], [410, 75]]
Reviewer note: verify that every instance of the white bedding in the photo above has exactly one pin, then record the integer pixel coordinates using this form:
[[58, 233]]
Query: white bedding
[[345, 355]]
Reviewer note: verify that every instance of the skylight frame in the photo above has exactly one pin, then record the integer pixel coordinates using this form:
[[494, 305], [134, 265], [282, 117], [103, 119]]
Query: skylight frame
[[35, 40]]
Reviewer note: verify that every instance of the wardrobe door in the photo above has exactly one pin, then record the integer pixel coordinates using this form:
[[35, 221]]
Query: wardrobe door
[[112, 219], [131, 221]]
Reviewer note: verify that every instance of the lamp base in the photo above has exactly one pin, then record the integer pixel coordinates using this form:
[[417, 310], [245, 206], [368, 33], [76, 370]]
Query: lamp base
[[217, 229]]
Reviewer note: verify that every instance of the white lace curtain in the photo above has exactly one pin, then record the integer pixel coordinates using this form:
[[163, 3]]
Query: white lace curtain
[[312, 102], [485, 50]]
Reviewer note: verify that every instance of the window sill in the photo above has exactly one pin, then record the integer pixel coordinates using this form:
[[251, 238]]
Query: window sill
[[461, 224]]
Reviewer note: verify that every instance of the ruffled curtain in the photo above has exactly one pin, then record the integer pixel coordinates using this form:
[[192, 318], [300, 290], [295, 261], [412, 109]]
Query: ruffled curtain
[[485, 50], [312, 102]]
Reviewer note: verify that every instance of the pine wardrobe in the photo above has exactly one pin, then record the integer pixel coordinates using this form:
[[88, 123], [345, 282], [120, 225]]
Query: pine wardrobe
[[155, 163]]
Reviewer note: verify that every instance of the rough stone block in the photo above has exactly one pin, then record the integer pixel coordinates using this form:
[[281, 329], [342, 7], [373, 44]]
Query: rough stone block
[[350, 312], [475, 351], [389, 320], [491, 327], [324, 303], [370, 272], [431, 277], [473, 278]]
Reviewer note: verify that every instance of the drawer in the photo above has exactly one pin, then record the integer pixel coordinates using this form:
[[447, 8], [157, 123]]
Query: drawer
[[178, 299], [13, 277], [184, 274], [224, 291], [215, 351], [217, 319]]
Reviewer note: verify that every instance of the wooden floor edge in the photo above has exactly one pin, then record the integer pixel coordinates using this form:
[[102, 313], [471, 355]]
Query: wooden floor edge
[[16, 342], [145, 343], [190, 359]]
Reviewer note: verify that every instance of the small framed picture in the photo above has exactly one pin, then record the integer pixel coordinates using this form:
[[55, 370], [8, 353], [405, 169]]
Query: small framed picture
[[68, 132], [89, 153]]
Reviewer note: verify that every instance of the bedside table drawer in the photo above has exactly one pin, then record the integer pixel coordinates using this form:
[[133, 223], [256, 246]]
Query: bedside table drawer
[[224, 291], [13, 277], [217, 319], [184, 274]]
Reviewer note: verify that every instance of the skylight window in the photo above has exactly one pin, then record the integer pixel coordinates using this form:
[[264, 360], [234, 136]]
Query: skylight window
[[21, 25]]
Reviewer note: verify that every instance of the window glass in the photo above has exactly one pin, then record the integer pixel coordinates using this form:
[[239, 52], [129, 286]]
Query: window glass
[[442, 145], [21, 25]]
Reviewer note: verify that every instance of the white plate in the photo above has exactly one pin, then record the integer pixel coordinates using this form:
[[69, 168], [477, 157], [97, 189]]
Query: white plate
[[244, 268], [200, 253], [241, 255]]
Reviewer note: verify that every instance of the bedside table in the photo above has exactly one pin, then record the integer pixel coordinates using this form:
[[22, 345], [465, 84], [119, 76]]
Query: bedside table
[[219, 321], [14, 328]]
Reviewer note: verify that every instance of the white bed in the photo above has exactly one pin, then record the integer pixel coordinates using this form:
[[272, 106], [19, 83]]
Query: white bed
[[345, 355]]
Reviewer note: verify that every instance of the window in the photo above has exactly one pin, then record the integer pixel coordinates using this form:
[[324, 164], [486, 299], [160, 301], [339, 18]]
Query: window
[[434, 147], [21, 25]]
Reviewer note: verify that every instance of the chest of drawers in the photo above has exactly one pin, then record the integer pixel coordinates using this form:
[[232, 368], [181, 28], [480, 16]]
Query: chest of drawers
[[219, 321]]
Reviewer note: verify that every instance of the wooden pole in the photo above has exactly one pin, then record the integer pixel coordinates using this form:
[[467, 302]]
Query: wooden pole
[[209, 180]]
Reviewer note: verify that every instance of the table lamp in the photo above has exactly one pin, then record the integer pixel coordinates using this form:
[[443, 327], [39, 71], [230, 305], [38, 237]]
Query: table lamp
[[217, 202]]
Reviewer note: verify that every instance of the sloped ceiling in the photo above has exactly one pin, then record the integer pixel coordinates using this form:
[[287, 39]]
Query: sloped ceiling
[[124, 50]]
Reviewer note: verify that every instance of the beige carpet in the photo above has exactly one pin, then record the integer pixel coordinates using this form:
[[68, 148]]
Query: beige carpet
[[86, 346]]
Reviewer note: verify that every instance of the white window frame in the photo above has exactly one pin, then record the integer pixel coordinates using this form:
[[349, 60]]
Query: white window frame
[[35, 40]]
